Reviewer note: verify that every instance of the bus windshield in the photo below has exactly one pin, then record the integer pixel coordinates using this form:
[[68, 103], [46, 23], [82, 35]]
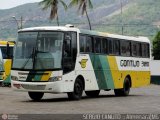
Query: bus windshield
[[5, 54], [38, 50]]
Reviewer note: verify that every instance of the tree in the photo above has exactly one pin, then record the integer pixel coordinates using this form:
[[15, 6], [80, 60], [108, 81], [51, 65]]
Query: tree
[[156, 47], [83, 4], [53, 5]]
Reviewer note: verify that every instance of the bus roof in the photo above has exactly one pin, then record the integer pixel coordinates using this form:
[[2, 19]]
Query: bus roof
[[88, 32]]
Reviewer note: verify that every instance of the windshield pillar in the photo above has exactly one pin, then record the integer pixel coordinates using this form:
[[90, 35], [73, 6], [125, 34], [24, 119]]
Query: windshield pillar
[[69, 51]]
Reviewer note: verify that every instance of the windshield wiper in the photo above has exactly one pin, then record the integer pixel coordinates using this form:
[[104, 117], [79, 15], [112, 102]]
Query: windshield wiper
[[31, 56]]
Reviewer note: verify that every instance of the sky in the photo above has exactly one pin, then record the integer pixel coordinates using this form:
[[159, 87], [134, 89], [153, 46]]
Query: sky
[[6, 4]]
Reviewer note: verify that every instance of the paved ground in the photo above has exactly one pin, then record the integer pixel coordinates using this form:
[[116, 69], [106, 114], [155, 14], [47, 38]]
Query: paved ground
[[141, 100]]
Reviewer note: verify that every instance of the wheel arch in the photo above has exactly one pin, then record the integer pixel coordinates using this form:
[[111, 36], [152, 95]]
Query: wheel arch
[[82, 79], [130, 80]]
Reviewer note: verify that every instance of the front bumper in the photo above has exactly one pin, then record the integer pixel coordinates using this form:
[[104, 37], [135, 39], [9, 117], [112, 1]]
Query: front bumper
[[46, 87]]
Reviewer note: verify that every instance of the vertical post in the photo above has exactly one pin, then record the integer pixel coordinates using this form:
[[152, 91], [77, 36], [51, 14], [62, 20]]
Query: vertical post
[[16, 21], [21, 22], [122, 16]]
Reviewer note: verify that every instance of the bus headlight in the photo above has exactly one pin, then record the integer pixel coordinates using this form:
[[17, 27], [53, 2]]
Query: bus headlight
[[53, 79], [14, 78]]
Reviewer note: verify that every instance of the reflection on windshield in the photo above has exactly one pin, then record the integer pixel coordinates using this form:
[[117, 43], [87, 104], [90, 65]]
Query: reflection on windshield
[[38, 50]]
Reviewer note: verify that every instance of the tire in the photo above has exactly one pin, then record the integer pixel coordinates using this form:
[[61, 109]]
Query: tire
[[78, 90], [36, 96], [94, 93], [125, 90]]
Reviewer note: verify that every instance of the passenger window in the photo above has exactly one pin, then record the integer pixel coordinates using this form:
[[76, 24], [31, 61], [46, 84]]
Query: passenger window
[[136, 49], [110, 46], [125, 48], [82, 40], [145, 50], [104, 48], [85, 44], [116, 47], [89, 45], [97, 45]]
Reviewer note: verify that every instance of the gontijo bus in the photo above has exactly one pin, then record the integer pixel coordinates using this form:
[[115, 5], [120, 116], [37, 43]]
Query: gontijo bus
[[7, 53], [1, 68], [70, 60]]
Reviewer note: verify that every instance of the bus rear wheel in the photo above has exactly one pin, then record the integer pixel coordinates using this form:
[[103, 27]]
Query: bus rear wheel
[[125, 90], [94, 93], [78, 90], [36, 96]]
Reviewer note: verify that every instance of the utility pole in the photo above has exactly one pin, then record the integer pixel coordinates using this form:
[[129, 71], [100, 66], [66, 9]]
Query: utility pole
[[21, 22], [122, 25], [19, 26]]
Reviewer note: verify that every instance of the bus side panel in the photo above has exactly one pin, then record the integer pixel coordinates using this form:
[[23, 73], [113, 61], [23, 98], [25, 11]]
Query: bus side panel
[[117, 76], [110, 75], [102, 71], [137, 69], [85, 68]]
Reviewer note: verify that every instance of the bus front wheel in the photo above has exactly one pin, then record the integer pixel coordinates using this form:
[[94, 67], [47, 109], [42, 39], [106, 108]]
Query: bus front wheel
[[78, 90], [125, 90], [94, 93], [36, 96]]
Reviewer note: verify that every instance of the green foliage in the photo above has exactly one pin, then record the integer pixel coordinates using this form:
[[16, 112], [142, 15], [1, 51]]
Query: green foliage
[[156, 47], [140, 17], [83, 4], [53, 5]]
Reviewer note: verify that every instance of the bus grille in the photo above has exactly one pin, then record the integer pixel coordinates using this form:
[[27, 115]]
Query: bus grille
[[34, 87]]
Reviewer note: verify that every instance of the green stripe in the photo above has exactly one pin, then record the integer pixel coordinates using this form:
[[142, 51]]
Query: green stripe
[[37, 77], [34, 76], [102, 71], [107, 72], [8, 79]]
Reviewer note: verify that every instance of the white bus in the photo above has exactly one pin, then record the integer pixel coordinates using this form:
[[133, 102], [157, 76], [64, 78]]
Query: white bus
[[1, 68], [71, 60], [7, 54]]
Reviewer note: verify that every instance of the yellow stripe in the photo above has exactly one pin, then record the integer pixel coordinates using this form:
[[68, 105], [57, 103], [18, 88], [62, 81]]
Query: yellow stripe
[[7, 67], [46, 76], [116, 74], [138, 78], [5, 43]]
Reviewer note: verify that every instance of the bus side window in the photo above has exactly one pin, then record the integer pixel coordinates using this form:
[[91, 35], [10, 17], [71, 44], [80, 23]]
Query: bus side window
[[89, 44], [110, 43], [104, 48], [82, 40], [126, 48], [85, 44], [97, 45], [134, 49], [139, 49], [148, 51], [116, 47], [145, 50]]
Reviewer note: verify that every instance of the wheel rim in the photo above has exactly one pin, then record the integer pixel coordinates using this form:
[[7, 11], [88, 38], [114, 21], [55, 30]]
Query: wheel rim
[[127, 86], [78, 89]]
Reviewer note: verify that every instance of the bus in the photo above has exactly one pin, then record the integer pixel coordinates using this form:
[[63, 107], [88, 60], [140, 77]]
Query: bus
[[1, 68], [70, 60], [7, 53]]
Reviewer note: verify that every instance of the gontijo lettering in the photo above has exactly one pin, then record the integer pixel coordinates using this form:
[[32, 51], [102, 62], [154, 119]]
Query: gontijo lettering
[[134, 63], [129, 63]]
